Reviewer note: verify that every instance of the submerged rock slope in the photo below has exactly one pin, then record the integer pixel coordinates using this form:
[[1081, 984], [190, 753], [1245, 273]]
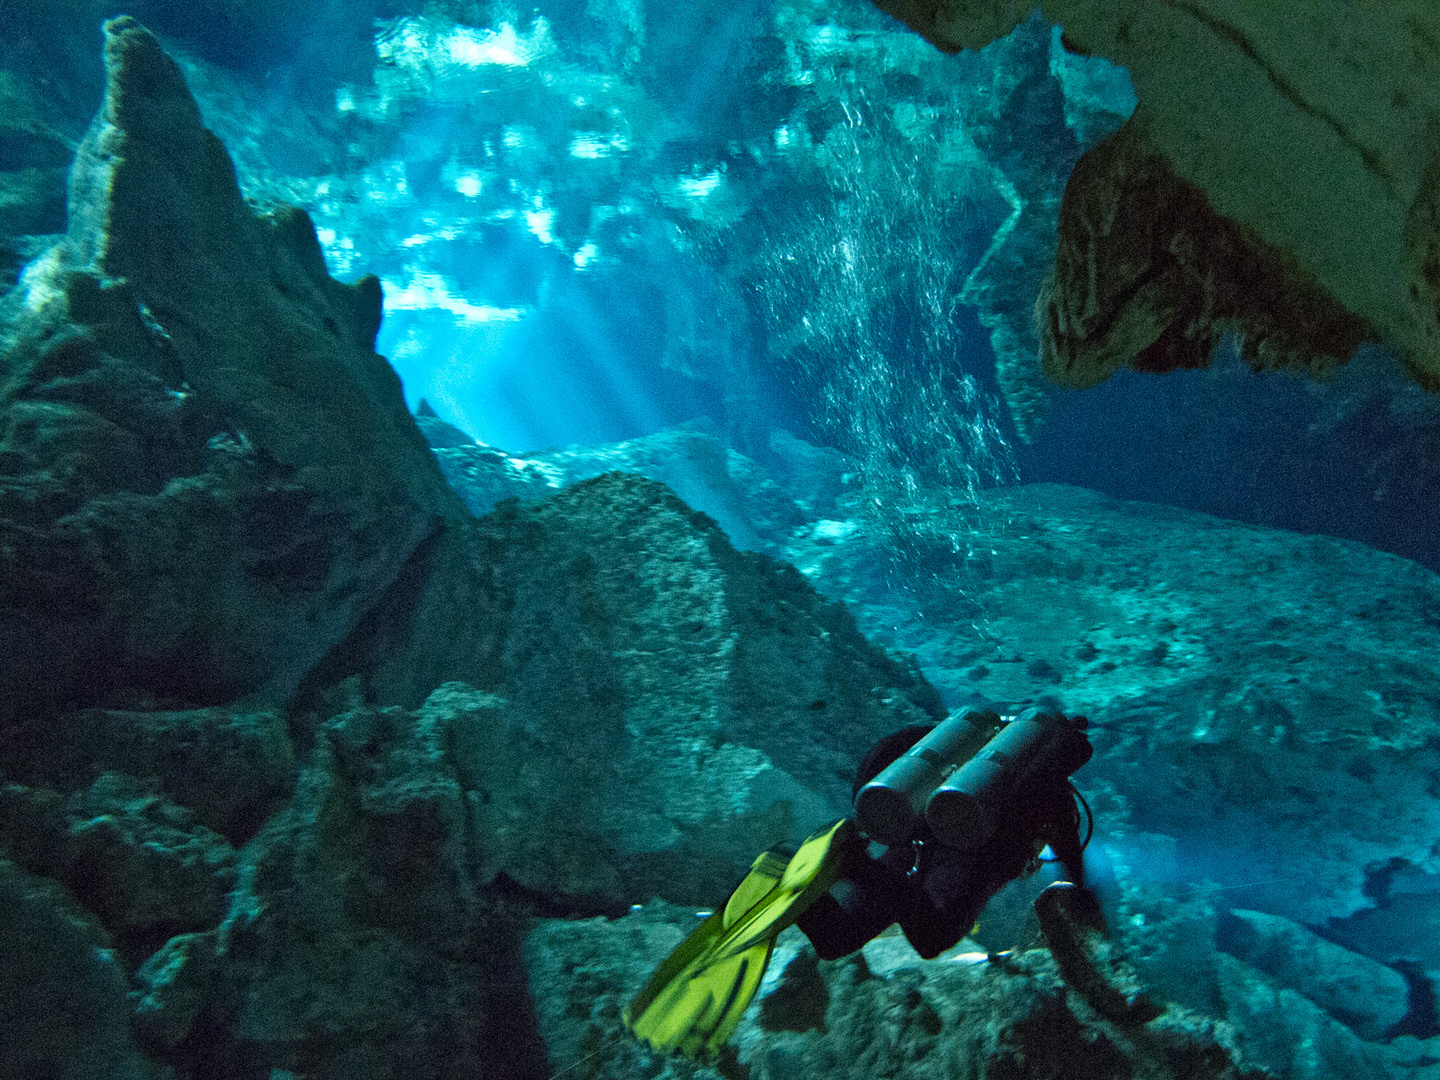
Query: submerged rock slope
[[1278, 178], [1240, 678], [1265, 719], [885, 1012], [881, 1012], [1265, 699], [1263, 709]]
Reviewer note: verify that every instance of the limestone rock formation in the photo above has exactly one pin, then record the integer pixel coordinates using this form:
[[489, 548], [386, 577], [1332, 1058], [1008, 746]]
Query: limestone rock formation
[[885, 1011], [1020, 129], [210, 491], [671, 706], [867, 1015], [206, 473], [1302, 134], [1370, 997], [230, 767], [353, 946], [437, 432], [1147, 274]]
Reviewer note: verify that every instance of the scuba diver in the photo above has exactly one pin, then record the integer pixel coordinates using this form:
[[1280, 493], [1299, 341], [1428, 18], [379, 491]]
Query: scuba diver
[[960, 809]]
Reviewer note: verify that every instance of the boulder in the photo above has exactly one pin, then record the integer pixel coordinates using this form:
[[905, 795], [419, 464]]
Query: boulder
[[143, 867], [1287, 1033], [356, 945], [674, 705], [174, 986], [230, 767]]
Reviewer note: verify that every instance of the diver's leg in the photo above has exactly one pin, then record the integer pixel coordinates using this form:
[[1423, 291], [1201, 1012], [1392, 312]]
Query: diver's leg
[[946, 903], [836, 931], [1089, 963], [863, 903]]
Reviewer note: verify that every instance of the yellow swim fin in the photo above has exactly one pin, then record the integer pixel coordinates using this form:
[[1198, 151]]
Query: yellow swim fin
[[695, 999]]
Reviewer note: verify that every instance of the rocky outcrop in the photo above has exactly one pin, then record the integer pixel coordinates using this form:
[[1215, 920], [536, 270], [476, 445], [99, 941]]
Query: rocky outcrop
[[1008, 1018], [377, 910], [354, 941], [1302, 135], [1022, 129], [210, 490], [635, 635], [1148, 274], [662, 706], [206, 474], [231, 767], [886, 1012]]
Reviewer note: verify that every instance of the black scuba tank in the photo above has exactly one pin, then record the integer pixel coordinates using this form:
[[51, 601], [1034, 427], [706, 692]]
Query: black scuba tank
[[1035, 747]]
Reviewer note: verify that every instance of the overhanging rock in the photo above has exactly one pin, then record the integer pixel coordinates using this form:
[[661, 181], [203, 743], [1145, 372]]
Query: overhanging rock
[[1304, 131]]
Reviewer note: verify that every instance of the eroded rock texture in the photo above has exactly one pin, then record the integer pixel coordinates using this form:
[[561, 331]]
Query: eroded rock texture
[[668, 692], [206, 474], [211, 487], [209, 490], [1302, 134], [1147, 274], [1022, 132], [882, 1012], [1244, 682]]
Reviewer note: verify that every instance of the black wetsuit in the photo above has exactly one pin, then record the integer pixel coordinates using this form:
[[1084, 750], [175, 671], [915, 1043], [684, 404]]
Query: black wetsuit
[[936, 892]]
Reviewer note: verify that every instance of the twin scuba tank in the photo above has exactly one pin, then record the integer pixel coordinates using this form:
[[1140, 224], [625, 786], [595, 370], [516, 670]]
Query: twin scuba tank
[[963, 775]]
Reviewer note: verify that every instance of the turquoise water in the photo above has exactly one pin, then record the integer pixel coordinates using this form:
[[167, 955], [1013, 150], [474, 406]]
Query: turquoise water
[[781, 258]]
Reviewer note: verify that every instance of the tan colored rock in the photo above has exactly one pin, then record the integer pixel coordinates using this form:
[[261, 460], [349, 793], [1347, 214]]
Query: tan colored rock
[[1147, 274], [1308, 128]]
